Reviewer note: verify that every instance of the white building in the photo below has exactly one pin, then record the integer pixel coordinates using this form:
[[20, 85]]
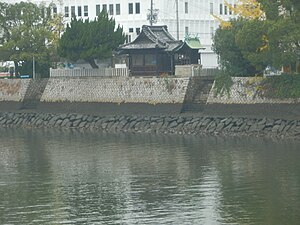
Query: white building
[[194, 17]]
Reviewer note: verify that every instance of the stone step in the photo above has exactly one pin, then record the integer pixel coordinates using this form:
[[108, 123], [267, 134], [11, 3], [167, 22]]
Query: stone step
[[34, 93]]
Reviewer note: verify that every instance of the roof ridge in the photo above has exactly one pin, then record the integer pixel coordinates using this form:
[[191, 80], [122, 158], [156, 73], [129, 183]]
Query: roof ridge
[[168, 34], [147, 29], [156, 40]]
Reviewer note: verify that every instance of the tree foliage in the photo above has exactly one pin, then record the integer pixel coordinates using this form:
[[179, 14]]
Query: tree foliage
[[266, 33], [253, 42], [26, 33], [231, 56], [90, 40], [283, 18], [247, 9]]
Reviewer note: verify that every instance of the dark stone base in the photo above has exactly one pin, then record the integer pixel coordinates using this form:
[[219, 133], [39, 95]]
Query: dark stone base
[[192, 125], [274, 120], [94, 108], [284, 111]]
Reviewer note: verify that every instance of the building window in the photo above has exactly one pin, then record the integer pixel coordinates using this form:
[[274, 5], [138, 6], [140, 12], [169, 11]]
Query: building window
[[130, 8], [211, 8], [104, 7], [138, 30], [225, 10], [98, 10], [73, 11], [66, 11], [54, 10], [221, 9], [130, 30], [137, 8], [186, 30], [150, 60], [79, 11], [85, 10], [111, 9], [230, 10], [137, 60], [127, 38], [186, 7], [118, 9], [48, 12]]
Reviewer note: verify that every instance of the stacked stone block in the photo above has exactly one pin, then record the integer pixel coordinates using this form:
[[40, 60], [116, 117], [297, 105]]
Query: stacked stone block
[[191, 125], [116, 90], [13, 89]]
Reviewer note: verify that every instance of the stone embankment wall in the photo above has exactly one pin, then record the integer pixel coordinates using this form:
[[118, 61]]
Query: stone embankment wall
[[157, 124], [116, 90], [150, 90], [246, 90], [13, 89]]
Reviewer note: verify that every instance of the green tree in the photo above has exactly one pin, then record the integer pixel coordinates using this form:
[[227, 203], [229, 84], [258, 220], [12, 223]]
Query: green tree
[[284, 38], [232, 59], [26, 34], [252, 40], [269, 40], [283, 17], [90, 40]]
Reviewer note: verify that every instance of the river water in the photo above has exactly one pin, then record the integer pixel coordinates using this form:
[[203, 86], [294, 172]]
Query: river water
[[71, 177]]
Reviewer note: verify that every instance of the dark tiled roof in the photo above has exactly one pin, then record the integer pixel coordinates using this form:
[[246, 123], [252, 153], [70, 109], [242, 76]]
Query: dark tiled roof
[[153, 37]]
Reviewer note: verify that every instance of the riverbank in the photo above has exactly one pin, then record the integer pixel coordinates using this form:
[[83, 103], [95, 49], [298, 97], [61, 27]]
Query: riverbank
[[149, 105], [180, 124]]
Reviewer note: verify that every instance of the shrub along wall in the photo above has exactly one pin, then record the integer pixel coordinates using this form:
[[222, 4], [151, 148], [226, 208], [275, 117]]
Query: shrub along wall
[[284, 86], [252, 90]]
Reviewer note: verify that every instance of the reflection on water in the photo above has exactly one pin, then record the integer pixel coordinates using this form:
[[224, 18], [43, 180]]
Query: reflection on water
[[68, 177]]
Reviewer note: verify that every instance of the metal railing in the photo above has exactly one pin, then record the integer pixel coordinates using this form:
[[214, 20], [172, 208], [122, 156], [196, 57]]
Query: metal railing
[[101, 72], [194, 70], [198, 71]]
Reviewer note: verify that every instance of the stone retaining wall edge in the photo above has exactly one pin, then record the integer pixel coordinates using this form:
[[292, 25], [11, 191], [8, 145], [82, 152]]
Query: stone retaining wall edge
[[157, 124]]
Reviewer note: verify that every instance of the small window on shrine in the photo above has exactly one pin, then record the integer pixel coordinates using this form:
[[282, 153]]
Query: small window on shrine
[[150, 60], [137, 60]]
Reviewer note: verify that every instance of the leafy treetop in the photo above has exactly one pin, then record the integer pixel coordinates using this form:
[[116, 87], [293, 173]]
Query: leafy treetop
[[27, 32], [90, 40]]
